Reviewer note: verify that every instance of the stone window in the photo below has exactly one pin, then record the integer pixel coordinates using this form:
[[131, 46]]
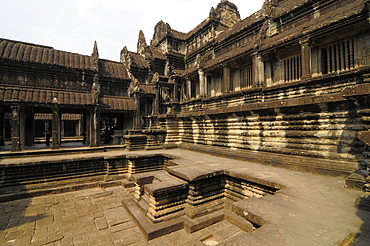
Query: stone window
[[292, 68], [246, 77], [241, 78], [338, 57]]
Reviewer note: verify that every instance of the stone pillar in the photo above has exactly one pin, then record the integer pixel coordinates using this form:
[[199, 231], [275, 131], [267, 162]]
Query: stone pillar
[[188, 85], [206, 86], [16, 145], [202, 80], [137, 119], [306, 59], [94, 127], [175, 92], [55, 133], [226, 79], [22, 127], [62, 128], [87, 127], [258, 70]]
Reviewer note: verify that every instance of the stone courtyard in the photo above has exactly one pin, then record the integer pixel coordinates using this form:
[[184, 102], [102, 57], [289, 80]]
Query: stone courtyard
[[89, 217], [251, 131], [308, 209]]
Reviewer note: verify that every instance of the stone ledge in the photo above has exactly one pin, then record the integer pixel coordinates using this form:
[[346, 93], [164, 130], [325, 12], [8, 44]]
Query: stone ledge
[[291, 162]]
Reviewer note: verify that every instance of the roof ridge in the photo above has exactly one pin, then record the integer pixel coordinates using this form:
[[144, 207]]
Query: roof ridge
[[26, 43]]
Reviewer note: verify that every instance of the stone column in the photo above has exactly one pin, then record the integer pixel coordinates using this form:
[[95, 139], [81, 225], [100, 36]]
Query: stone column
[[16, 145], [188, 85], [22, 127], [306, 59], [258, 70], [206, 85], [62, 128], [87, 126], [202, 85], [55, 133], [156, 100], [175, 92], [94, 127], [226, 79], [137, 118]]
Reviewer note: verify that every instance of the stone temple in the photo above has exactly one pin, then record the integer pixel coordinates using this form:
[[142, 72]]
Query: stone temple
[[250, 131]]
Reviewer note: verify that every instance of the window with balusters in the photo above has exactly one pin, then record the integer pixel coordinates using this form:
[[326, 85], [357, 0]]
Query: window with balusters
[[293, 68], [338, 57], [241, 78], [246, 77]]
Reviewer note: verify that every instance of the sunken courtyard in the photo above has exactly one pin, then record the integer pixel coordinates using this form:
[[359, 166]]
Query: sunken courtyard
[[250, 131]]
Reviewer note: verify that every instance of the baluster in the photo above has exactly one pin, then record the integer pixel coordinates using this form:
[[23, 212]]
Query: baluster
[[328, 59], [351, 56], [346, 53]]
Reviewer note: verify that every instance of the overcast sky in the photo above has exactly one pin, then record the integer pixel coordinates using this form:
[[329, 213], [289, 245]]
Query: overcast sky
[[73, 25]]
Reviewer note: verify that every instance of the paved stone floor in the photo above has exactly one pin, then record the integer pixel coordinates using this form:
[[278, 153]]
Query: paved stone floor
[[311, 210], [89, 217]]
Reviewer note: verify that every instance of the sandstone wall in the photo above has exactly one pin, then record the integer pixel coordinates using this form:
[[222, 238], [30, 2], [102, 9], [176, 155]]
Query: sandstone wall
[[316, 119]]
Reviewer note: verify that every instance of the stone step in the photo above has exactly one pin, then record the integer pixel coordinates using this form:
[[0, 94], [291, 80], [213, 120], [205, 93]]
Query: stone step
[[41, 189]]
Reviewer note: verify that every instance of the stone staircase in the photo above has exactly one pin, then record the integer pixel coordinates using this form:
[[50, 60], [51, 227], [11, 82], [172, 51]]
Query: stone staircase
[[167, 201]]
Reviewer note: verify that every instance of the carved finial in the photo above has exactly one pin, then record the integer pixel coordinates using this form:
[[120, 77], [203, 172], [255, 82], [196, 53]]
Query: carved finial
[[268, 7], [124, 52], [142, 36], [141, 43], [124, 49], [212, 13], [95, 50], [95, 55], [227, 12], [160, 31]]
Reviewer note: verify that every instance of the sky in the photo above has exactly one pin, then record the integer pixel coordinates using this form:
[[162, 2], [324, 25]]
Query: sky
[[74, 25]]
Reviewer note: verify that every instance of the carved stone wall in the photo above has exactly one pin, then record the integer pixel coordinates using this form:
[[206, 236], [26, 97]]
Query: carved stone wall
[[308, 120]]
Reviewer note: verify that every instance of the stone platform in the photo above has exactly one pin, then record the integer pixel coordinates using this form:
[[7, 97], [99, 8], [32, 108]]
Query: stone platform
[[306, 209]]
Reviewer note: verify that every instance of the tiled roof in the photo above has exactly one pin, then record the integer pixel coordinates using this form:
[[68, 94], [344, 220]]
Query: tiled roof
[[28, 95], [112, 69], [241, 25], [343, 11], [179, 35], [157, 53], [138, 60], [116, 103], [347, 10], [20, 51], [184, 36]]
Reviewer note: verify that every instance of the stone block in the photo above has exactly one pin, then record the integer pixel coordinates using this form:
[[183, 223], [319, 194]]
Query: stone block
[[101, 223]]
